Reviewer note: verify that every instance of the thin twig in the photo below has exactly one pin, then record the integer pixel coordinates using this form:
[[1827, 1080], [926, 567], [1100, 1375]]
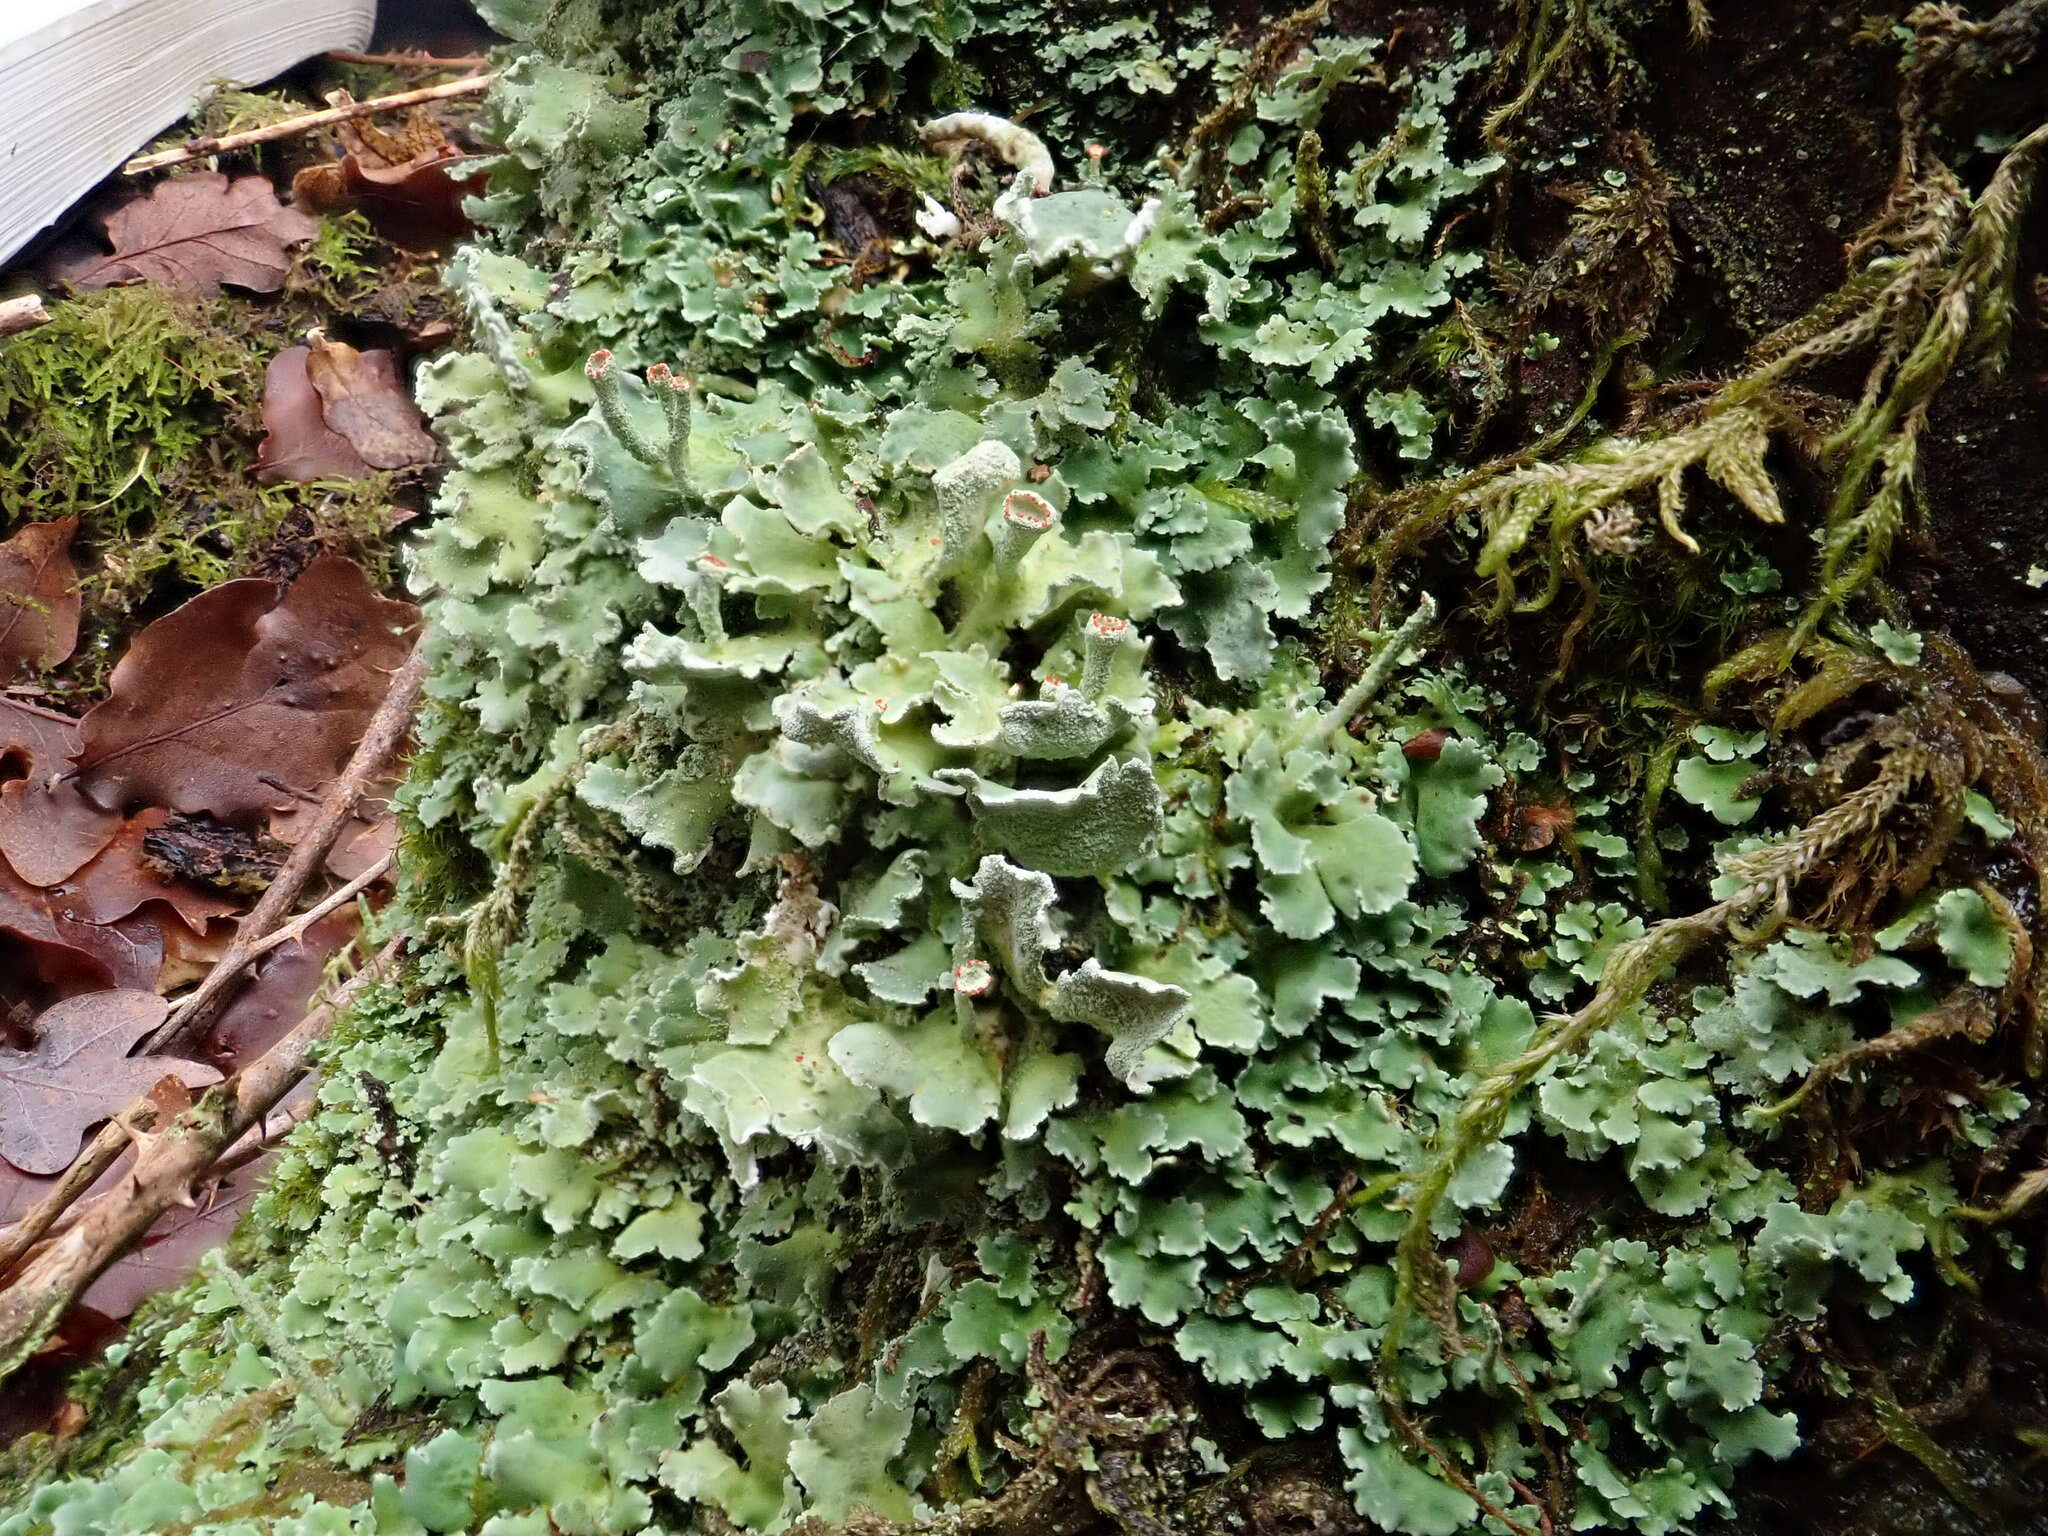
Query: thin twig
[[404, 60], [296, 928], [166, 1168], [215, 144], [387, 729], [22, 314]]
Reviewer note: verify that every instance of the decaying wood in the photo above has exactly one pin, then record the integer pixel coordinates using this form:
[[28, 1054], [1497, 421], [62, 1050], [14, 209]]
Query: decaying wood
[[214, 144], [22, 314]]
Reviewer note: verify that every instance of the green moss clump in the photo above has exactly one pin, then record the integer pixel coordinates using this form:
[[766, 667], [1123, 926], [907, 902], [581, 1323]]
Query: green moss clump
[[114, 399]]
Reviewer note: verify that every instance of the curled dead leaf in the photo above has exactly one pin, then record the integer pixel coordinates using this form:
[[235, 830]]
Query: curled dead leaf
[[332, 412], [1425, 746], [48, 828], [298, 445], [188, 956], [364, 400], [406, 181]]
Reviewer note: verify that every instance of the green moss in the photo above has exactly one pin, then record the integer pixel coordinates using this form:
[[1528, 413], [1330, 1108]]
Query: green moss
[[112, 401], [338, 268]]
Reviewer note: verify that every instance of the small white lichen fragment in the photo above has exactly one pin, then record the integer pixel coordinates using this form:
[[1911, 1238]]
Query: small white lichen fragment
[[937, 220]]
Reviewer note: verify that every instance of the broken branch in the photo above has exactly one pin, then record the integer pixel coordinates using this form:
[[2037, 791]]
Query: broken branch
[[22, 314], [215, 144], [166, 1167]]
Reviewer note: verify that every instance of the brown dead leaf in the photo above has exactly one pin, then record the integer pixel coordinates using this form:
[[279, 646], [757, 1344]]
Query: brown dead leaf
[[194, 233], [272, 1001], [331, 412], [79, 1073], [188, 956], [298, 445], [364, 839], [48, 829], [54, 949], [167, 1257], [38, 598], [245, 698], [364, 400], [417, 135]]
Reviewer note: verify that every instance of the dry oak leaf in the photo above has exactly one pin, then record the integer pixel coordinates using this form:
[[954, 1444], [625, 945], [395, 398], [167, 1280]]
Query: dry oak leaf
[[246, 698], [273, 1000], [52, 943], [48, 829], [364, 840], [188, 956], [194, 233], [364, 400], [80, 1073], [38, 598], [331, 412]]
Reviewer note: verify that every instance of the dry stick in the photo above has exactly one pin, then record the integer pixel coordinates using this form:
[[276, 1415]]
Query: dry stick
[[405, 60], [387, 728], [296, 928], [215, 144], [165, 1170], [22, 314]]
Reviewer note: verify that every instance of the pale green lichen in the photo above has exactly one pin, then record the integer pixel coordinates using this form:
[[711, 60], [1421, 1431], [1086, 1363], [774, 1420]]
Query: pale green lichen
[[912, 981]]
